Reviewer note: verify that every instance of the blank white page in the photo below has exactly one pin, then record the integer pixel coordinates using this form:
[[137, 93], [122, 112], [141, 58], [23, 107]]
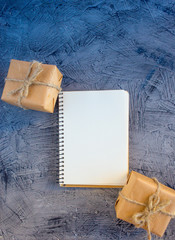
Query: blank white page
[[96, 137]]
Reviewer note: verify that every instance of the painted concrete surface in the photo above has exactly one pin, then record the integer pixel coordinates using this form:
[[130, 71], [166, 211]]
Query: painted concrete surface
[[97, 45]]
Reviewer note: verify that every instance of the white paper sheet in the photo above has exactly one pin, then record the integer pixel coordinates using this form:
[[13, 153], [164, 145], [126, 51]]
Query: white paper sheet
[[96, 137]]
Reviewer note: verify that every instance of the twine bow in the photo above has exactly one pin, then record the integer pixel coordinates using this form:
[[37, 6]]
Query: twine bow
[[153, 206], [29, 81]]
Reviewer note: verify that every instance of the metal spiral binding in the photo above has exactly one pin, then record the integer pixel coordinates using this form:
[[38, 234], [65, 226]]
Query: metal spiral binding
[[61, 138]]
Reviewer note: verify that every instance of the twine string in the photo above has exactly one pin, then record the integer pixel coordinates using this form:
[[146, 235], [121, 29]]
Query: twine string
[[29, 80], [153, 206]]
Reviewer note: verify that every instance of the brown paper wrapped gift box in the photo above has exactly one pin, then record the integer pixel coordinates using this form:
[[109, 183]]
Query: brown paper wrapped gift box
[[139, 188], [40, 97]]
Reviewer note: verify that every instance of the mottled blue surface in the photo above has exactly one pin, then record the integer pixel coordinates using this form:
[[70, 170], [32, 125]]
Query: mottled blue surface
[[97, 45]]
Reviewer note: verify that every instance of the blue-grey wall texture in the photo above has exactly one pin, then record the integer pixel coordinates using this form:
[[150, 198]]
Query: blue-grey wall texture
[[111, 44]]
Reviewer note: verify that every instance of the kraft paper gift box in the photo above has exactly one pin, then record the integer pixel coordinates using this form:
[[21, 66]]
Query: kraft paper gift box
[[146, 200], [32, 85]]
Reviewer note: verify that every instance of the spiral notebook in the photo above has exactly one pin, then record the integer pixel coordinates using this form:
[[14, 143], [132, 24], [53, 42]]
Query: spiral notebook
[[93, 138]]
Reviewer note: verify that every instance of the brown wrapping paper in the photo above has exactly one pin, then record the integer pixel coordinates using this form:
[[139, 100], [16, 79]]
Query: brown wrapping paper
[[40, 97], [139, 188]]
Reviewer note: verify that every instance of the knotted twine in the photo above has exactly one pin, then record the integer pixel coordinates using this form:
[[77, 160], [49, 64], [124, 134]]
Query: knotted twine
[[153, 206], [29, 81]]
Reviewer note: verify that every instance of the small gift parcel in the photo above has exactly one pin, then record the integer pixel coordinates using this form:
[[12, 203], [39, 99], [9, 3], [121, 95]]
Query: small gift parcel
[[32, 85], [146, 203]]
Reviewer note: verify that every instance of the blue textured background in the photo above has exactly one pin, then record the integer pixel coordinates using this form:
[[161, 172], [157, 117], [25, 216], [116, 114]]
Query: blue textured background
[[97, 45]]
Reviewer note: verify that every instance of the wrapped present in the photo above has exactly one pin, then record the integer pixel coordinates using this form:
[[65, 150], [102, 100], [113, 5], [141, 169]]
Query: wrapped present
[[32, 85], [146, 203]]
